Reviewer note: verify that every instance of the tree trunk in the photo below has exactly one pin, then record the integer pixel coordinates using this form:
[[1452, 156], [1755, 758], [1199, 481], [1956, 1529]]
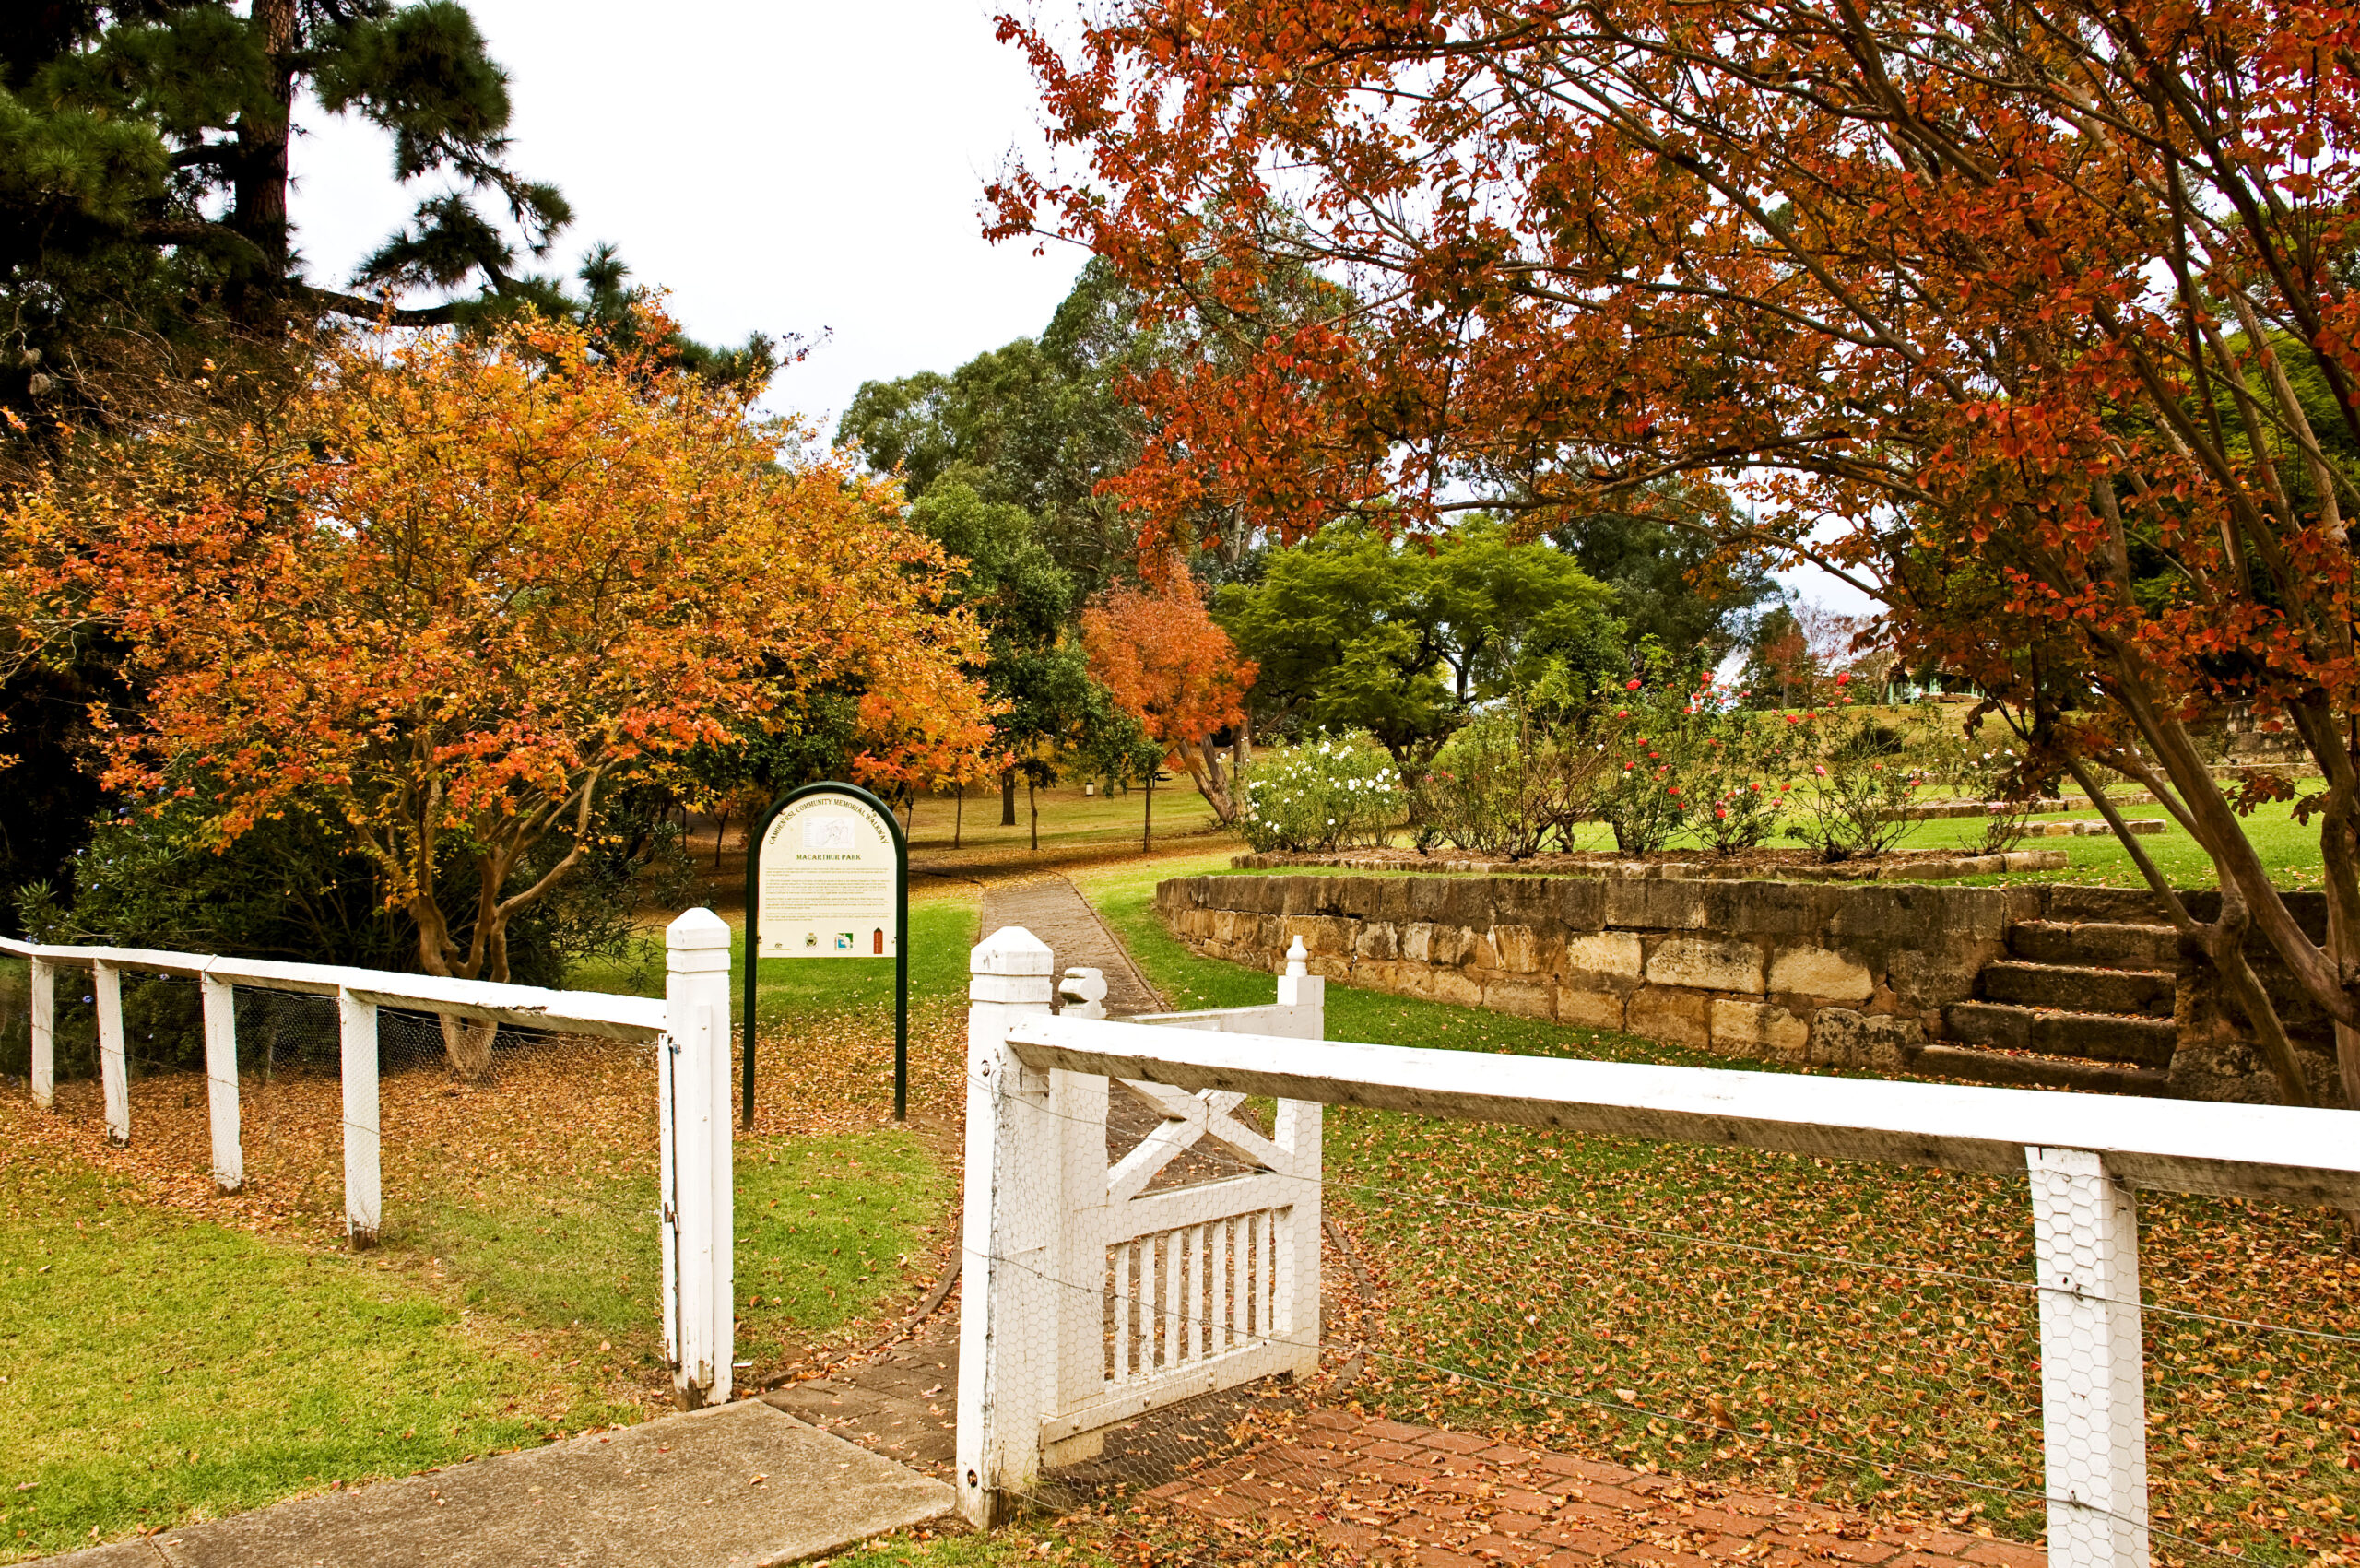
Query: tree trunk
[[720, 832], [910, 815], [1147, 831], [466, 1045], [1008, 798], [258, 187], [959, 815], [1033, 802]]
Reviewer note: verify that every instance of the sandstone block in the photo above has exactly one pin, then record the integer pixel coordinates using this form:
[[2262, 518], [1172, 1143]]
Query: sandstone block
[[1684, 1017], [1589, 1010], [1820, 972], [1655, 905], [1759, 1029], [1517, 948], [1703, 963], [1522, 997], [1452, 985], [1378, 939], [1842, 1038], [1928, 982], [1617, 954], [1578, 904]]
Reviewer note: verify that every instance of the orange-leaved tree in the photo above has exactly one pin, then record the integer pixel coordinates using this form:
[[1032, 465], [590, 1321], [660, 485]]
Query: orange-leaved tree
[[2039, 319], [465, 588], [1164, 662]]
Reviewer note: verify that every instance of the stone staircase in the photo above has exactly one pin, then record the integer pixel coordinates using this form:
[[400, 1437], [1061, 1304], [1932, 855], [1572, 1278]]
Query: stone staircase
[[2084, 1004]]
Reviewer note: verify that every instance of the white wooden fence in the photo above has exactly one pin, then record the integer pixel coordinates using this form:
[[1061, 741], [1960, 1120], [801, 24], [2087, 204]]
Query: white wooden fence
[[690, 1030], [1027, 1399]]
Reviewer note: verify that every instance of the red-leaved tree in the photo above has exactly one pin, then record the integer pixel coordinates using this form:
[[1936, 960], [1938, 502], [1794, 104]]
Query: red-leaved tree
[[1164, 661], [2037, 319]]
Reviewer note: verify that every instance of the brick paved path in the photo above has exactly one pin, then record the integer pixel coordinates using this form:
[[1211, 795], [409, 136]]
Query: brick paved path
[[1379, 1491]]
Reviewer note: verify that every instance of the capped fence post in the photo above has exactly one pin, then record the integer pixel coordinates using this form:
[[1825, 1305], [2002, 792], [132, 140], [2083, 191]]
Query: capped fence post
[[221, 1081], [114, 1071], [1307, 994], [44, 1031], [698, 1182], [1007, 1322], [364, 1194], [2093, 1428]]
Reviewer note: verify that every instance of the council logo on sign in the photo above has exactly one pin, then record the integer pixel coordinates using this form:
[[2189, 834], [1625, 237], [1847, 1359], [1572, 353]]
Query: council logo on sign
[[827, 832]]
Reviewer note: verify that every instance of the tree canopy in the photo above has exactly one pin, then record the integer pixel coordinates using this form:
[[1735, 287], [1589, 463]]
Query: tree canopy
[[457, 592], [2040, 321], [1351, 630]]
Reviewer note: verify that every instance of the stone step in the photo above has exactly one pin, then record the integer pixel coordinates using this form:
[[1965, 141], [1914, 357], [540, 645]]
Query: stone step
[[2095, 943], [2038, 1072], [2145, 993], [2097, 1037]]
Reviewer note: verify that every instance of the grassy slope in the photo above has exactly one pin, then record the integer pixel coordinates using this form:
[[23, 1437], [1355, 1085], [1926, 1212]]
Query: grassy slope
[[1607, 1290], [162, 1368]]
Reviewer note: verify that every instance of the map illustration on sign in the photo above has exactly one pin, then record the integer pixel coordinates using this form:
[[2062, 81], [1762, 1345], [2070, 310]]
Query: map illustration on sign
[[827, 832], [826, 881]]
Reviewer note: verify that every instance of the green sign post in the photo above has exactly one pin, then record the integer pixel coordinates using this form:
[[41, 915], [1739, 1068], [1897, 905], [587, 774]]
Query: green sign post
[[828, 876]]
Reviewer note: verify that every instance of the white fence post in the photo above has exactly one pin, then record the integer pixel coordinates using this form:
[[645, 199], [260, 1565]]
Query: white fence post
[[2085, 1236], [114, 1075], [699, 1180], [44, 1031], [1008, 1324], [364, 1193], [1306, 993], [221, 1080]]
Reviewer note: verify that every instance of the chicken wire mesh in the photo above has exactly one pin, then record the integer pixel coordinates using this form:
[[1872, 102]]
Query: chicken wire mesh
[[1533, 1342]]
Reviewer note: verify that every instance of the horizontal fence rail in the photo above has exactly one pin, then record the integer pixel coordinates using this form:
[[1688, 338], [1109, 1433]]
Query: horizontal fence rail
[[689, 1027], [2286, 1154], [2084, 1157]]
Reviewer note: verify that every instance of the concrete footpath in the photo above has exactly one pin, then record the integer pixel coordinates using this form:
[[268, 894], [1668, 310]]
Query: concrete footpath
[[742, 1483]]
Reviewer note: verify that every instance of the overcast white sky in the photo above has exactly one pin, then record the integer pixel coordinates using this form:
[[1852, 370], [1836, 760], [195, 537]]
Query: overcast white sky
[[788, 168], [784, 167]]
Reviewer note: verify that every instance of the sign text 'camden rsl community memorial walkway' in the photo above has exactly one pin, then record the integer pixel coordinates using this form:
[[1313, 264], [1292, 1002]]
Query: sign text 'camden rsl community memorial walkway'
[[828, 876]]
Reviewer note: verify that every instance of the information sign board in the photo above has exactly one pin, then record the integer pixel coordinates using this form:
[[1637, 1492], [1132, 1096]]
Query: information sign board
[[828, 876], [831, 870]]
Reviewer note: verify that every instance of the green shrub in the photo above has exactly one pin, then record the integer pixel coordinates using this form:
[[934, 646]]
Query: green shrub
[[1739, 765], [1323, 794], [1861, 781], [1507, 785]]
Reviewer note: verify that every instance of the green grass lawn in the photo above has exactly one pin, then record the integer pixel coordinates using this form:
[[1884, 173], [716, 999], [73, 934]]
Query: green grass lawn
[[163, 1369], [1610, 1296]]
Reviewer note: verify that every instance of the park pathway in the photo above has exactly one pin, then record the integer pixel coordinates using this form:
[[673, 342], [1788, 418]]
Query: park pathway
[[1053, 910], [743, 1484]]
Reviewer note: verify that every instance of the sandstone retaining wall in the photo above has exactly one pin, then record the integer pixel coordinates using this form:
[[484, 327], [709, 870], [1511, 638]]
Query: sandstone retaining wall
[[1854, 975]]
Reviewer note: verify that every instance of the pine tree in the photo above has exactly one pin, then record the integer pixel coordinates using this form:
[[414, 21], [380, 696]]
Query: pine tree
[[144, 167]]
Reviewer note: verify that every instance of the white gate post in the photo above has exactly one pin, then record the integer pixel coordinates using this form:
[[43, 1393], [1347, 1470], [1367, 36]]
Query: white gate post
[[114, 1077], [699, 1180], [1296, 1292], [1307, 994], [364, 1194], [221, 1081], [2085, 1237], [1078, 1259], [1007, 1322], [44, 1030]]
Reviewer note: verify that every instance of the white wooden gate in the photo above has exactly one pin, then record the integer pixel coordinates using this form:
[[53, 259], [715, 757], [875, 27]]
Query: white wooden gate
[[1149, 1297]]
